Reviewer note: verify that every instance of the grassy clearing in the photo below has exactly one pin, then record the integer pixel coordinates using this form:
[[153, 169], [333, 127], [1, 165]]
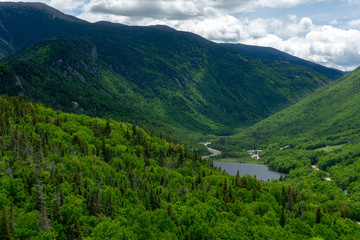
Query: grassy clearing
[[330, 148]]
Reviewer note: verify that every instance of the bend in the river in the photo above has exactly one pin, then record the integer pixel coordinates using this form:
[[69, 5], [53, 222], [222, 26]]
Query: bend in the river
[[214, 152]]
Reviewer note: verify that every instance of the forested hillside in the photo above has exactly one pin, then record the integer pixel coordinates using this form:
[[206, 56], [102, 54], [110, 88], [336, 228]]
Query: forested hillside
[[170, 81], [328, 117], [67, 176], [321, 134]]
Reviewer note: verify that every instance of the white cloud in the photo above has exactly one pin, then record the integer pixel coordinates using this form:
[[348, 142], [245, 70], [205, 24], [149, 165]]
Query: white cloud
[[354, 23], [279, 3], [69, 5], [182, 9], [326, 45]]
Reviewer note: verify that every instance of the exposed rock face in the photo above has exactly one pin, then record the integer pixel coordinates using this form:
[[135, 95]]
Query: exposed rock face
[[18, 83]]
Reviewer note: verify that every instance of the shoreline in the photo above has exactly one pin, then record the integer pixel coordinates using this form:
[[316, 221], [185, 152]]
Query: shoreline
[[239, 160]]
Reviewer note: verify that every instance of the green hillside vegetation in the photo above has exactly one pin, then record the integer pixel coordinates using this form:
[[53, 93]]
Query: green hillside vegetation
[[170, 81], [68, 176], [198, 90], [322, 130], [329, 117]]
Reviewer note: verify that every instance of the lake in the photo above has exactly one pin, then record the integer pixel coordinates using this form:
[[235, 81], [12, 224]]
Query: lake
[[262, 172]]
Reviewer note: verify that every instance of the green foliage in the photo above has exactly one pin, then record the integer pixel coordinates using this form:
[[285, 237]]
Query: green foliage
[[329, 117], [67, 176]]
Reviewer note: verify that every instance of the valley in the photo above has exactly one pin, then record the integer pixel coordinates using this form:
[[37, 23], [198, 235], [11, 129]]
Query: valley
[[173, 82], [109, 131]]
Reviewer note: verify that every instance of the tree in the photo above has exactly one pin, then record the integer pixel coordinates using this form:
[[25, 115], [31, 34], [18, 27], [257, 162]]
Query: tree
[[254, 195], [154, 199], [187, 236], [95, 129], [181, 159], [107, 129], [44, 220], [5, 232], [282, 220], [72, 228], [56, 204], [318, 215], [237, 177]]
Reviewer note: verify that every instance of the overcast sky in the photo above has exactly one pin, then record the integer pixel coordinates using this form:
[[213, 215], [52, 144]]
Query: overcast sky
[[322, 31]]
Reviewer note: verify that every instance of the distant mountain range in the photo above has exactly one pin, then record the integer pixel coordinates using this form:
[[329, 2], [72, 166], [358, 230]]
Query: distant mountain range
[[170, 81], [270, 53]]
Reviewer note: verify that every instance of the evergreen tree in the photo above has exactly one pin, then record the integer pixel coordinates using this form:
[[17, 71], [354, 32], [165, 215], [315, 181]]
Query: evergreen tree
[[181, 159], [107, 129], [254, 195], [5, 232], [318, 215], [72, 228], [282, 220], [187, 236]]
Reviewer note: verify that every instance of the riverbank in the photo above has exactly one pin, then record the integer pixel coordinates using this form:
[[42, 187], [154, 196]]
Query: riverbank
[[215, 153], [240, 160]]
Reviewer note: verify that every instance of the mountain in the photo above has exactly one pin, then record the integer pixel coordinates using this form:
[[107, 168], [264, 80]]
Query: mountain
[[276, 55], [329, 116], [317, 137], [170, 81], [323, 128], [67, 176], [22, 24]]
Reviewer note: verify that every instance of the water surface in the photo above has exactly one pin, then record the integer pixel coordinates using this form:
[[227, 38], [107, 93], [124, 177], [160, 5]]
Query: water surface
[[261, 172]]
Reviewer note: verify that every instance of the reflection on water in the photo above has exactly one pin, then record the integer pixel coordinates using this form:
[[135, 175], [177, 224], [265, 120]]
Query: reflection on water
[[261, 172]]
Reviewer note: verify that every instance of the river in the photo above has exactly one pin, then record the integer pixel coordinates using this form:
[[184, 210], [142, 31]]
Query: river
[[214, 152], [262, 172]]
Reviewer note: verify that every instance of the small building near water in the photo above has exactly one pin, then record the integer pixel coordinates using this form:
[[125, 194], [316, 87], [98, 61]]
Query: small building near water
[[254, 153]]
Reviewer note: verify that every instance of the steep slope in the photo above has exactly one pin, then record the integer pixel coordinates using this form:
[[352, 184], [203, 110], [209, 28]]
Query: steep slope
[[321, 135], [172, 81], [67, 176], [330, 116], [208, 93], [276, 55]]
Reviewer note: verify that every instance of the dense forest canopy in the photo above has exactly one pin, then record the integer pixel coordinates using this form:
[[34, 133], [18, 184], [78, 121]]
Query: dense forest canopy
[[68, 176]]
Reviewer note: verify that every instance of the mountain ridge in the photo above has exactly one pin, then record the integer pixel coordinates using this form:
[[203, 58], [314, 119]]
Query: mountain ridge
[[328, 117], [149, 74], [277, 55]]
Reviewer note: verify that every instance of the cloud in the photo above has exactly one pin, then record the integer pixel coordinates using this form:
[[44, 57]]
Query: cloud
[[69, 5], [155, 9], [182, 9], [178, 10], [326, 45], [354, 23]]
